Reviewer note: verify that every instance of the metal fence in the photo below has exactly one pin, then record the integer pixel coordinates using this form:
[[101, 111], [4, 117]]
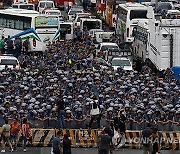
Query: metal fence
[[130, 125]]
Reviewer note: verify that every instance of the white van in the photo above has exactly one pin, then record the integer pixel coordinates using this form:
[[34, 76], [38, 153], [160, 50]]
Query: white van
[[92, 32], [90, 24], [78, 17], [66, 31], [103, 36], [44, 5], [72, 13], [122, 62], [105, 46]]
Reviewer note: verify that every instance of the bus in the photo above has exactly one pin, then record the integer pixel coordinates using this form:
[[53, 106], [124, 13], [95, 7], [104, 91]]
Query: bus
[[128, 15], [42, 29]]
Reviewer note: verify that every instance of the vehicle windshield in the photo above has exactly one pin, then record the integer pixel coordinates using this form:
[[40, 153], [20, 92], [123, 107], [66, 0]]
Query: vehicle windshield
[[49, 5], [73, 12], [53, 13], [136, 14], [28, 7], [91, 25], [42, 5], [8, 62], [61, 18], [78, 20], [106, 47], [65, 26], [118, 62], [164, 6]]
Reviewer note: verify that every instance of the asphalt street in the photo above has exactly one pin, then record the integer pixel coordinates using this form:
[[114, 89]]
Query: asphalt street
[[85, 151]]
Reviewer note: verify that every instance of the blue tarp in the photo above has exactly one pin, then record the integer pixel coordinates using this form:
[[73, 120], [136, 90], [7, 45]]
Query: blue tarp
[[176, 70]]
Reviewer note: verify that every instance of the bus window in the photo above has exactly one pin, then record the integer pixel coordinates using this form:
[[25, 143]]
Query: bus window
[[12, 24], [4, 22], [1, 22], [17, 24], [8, 23], [135, 14], [27, 25], [15, 6]]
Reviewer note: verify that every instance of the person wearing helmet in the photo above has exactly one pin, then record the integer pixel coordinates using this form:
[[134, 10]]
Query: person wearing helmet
[[53, 118], [109, 116], [69, 119], [79, 118]]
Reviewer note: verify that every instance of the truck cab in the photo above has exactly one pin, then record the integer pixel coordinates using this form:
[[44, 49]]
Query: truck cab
[[45, 5]]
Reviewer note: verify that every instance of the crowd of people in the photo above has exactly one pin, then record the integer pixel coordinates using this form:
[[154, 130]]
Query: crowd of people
[[58, 88]]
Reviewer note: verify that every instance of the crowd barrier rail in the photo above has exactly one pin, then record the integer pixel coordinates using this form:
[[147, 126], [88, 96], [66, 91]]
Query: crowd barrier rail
[[85, 138]]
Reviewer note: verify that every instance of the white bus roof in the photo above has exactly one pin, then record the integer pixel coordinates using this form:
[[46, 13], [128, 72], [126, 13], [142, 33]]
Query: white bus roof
[[133, 6], [108, 43], [90, 19], [20, 12], [24, 13]]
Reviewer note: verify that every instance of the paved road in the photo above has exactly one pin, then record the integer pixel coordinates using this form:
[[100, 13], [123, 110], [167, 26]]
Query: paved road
[[84, 151]]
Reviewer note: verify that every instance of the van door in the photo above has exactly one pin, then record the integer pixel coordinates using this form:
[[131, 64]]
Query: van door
[[66, 31]]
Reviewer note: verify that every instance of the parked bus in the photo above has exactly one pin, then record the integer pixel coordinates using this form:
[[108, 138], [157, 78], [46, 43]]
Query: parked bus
[[41, 29], [128, 15]]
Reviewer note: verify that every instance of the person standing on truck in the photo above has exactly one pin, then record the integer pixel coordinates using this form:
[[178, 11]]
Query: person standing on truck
[[79, 34], [18, 46], [26, 45], [9, 45], [2, 43]]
